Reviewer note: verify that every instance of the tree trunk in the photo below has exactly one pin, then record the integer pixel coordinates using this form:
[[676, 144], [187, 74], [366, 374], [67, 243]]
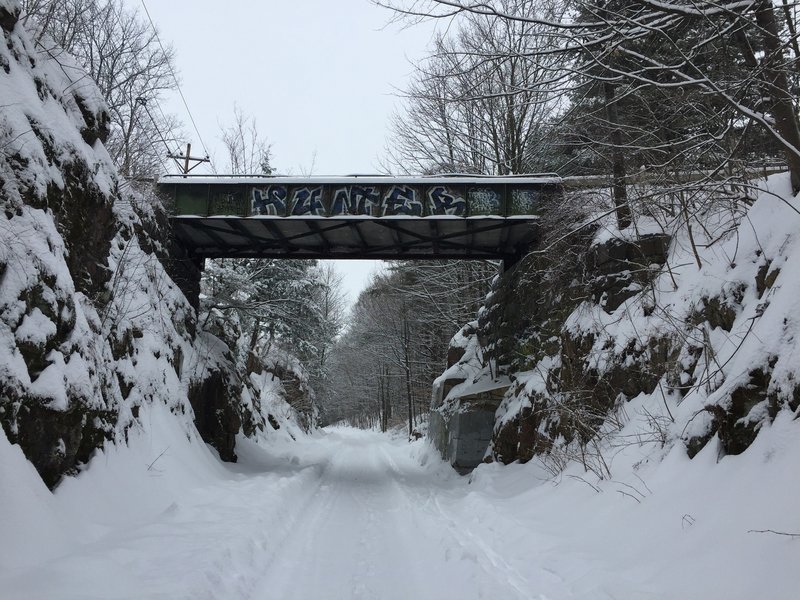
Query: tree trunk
[[251, 354], [778, 83], [618, 190], [385, 404], [407, 368], [789, 17]]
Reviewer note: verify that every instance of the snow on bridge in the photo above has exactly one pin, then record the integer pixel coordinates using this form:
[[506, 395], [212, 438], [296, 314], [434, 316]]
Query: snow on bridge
[[374, 217]]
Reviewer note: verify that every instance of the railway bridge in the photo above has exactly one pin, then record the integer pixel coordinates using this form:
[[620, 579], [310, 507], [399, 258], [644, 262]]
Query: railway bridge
[[365, 217]]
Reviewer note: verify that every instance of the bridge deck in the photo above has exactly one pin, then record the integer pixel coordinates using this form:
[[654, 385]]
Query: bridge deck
[[364, 237], [357, 217]]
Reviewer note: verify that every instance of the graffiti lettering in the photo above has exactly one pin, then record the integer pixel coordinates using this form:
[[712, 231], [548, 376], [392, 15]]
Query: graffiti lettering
[[402, 200], [307, 201], [524, 201], [355, 200], [484, 201], [444, 201], [269, 201]]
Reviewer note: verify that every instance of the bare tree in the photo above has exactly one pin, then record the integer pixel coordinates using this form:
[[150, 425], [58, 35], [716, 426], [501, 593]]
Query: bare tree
[[248, 153], [121, 52], [478, 104], [672, 45], [396, 344]]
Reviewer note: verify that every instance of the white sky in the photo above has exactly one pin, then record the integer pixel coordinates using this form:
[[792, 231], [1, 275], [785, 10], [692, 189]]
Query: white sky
[[319, 77]]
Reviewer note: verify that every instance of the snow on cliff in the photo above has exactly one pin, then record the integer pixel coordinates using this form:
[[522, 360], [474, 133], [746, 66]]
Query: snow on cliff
[[93, 331]]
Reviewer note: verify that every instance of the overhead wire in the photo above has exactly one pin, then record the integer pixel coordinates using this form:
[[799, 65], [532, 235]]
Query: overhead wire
[[143, 103], [178, 86], [164, 165], [117, 12]]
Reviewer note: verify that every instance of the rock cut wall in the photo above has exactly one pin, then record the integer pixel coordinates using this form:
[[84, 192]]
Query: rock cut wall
[[92, 326]]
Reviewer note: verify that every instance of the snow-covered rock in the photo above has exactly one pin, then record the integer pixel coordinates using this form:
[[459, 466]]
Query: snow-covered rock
[[93, 329], [696, 327]]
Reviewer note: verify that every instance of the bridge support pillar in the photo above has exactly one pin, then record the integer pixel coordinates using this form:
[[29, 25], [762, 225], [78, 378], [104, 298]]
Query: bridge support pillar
[[509, 260], [185, 271]]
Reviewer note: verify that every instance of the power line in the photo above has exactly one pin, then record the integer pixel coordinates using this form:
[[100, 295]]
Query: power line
[[116, 10], [152, 144], [143, 103], [187, 158], [177, 85]]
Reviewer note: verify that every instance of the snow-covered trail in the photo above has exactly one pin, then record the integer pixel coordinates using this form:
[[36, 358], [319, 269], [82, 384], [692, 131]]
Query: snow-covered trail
[[346, 514], [352, 514], [365, 536]]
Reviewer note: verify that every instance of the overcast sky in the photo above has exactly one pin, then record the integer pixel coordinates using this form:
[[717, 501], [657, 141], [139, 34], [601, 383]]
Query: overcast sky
[[319, 77]]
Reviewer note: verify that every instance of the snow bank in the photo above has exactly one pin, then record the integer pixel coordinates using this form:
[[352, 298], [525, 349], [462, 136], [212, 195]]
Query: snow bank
[[663, 527]]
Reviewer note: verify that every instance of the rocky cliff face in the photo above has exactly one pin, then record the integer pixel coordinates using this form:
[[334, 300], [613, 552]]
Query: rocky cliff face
[[597, 318], [58, 397], [231, 394], [576, 395], [92, 327]]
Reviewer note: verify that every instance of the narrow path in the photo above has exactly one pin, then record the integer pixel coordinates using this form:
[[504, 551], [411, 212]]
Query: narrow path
[[363, 537], [348, 514]]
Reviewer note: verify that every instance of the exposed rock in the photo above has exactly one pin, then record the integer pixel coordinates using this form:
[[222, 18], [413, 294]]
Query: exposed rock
[[519, 438], [187, 275], [765, 278], [92, 327], [522, 319], [297, 393], [215, 415], [731, 421], [186, 272], [580, 396], [57, 441], [459, 344], [620, 268], [721, 311], [9, 16], [97, 126], [523, 323]]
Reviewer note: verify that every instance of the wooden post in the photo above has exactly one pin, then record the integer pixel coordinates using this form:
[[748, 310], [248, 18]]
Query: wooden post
[[188, 154], [187, 159]]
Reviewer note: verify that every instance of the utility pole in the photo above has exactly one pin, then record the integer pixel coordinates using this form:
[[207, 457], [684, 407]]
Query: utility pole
[[187, 159]]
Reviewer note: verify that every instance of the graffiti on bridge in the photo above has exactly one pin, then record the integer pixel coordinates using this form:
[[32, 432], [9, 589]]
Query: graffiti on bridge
[[356, 200], [394, 200], [308, 201], [269, 201], [485, 201], [402, 200], [523, 201], [443, 200]]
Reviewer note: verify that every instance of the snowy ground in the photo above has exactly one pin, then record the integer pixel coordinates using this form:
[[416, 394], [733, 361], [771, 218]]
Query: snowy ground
[[353, 514]]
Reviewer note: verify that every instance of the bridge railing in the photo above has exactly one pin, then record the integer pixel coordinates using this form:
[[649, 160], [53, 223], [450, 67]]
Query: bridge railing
[[370, 197]]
